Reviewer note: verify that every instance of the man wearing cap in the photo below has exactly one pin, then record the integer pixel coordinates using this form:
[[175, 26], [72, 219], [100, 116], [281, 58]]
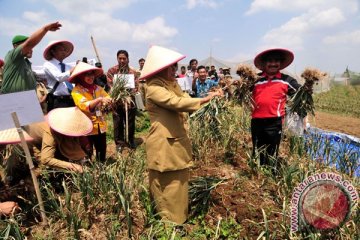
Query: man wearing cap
[[18, 75], [57, 74], [226, 71], [168, 147], [269, 95], [119, 120]]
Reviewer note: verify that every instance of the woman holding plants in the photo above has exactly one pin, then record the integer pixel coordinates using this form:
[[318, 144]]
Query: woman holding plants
[[89, 97], [168, 146]]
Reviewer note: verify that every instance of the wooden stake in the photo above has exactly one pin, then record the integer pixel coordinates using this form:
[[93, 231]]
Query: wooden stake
[[126, 122], [31, 167], [95, 49]]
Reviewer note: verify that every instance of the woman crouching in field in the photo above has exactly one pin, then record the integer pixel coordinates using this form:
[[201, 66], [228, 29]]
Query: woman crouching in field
[[89, 97]]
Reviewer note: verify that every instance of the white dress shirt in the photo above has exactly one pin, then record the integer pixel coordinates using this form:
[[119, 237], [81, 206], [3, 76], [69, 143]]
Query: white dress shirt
[[53, 74]]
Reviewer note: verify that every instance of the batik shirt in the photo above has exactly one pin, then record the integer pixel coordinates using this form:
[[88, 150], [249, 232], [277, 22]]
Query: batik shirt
[[202, 88]]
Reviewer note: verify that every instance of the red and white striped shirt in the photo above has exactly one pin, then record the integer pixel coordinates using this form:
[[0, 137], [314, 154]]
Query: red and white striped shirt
[[269, 95]]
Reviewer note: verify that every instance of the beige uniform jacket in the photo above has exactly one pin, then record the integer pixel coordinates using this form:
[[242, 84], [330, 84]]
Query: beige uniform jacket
[[168, 146], [47, 142]]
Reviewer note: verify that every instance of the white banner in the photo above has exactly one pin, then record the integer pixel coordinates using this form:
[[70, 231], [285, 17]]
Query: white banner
[[128, 78], [185, 83], [25, 104]]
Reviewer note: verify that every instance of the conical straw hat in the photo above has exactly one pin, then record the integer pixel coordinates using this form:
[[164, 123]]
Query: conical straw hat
[[81, 68], [10, 136], [70, 121], [286, 55], [159, 58], [69, 47]]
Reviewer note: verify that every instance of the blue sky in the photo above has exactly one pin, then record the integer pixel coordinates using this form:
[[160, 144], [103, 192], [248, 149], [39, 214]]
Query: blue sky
[[322, 33]]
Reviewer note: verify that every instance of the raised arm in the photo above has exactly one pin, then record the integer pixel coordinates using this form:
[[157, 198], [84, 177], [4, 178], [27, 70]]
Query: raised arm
[[36, 37]]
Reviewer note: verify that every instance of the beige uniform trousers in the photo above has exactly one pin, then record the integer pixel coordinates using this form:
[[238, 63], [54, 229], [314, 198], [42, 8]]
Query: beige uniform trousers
[[170, 190], [142, 89]]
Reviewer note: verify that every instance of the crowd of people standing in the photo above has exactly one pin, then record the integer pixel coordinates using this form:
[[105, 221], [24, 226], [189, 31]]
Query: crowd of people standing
[[78, 93]]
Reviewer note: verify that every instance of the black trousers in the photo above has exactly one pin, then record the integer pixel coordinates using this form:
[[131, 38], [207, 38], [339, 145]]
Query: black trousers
[[119, 121], [99, 142], [266, 137]]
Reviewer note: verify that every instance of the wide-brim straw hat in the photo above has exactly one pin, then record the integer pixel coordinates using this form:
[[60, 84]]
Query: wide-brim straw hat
[[69, 47], [82, 68], [70, 121], [287, 57], [11, 136], [157, 59]]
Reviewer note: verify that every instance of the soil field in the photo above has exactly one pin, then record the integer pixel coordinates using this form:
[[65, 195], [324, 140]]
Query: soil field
[[336, 123]]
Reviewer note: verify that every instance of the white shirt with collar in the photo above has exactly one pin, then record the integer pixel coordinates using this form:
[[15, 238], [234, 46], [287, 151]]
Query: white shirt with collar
[[53, 74]]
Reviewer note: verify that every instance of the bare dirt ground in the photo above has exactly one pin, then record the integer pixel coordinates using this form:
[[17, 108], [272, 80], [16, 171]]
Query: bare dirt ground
[[336, 123]]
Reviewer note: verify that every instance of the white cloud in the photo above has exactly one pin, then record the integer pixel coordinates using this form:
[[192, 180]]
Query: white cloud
[[13, 26], [69, 30], [105, 28], [117, 30], [101, 20], [301, 5], [344, 38], [80, 7], [190, 4], [37, 17], [292, 33], [326, 18], [154, 30], [102, 26], [31, 21]]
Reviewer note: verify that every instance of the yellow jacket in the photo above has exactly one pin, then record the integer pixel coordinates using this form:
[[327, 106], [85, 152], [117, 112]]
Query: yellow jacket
[[168, 146], [82, 97]]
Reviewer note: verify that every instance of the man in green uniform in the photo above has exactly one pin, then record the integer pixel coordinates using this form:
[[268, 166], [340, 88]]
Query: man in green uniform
[[17, 75]]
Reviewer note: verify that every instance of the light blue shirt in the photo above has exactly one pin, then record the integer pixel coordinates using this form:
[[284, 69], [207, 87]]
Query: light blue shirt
[[53, 74]]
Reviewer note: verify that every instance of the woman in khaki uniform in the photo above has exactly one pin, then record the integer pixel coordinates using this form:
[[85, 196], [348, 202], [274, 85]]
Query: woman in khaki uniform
[[56, 142], [168, 146]]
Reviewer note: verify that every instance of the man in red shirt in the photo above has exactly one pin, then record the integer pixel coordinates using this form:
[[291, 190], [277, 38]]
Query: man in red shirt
[[269, 94]]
